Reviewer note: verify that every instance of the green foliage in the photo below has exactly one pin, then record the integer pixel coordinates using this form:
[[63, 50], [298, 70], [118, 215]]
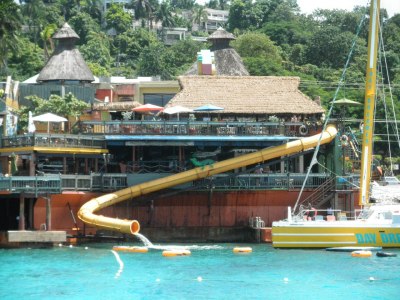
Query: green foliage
[[97, 49], [117, 18], [10, 25], [153, 61], [65, 106], [84, 24], [26, 61]]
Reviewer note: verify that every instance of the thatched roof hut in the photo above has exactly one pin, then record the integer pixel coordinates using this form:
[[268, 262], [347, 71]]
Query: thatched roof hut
[[246, 95], [227, 60], [66, 63]]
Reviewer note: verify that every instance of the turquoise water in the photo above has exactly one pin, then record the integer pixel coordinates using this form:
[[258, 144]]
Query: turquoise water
[[93, 271]]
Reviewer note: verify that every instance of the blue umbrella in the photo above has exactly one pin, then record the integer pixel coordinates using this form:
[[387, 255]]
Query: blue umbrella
[[208, 107]]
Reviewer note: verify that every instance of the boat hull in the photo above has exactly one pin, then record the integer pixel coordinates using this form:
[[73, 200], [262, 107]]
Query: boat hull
[[303, 235]]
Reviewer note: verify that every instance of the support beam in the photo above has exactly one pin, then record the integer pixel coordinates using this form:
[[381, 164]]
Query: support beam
[[21, 225]]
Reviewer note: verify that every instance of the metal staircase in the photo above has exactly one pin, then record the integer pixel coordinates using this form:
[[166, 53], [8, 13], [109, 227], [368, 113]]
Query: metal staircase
[[320, 196]]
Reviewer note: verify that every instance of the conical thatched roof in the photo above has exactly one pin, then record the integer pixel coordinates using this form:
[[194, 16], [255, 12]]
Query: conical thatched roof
[[221, 34], [227, 60], [66, 63], [65, 32], [246, 94]]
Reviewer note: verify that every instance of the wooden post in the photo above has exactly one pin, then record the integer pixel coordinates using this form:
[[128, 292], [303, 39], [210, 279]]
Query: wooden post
[[48, 213], [64, 165], [32, 165], [21, 225]]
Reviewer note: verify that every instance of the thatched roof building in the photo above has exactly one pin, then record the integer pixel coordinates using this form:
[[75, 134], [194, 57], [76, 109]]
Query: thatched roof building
[[66, 63], [246, 95], [227, 60]]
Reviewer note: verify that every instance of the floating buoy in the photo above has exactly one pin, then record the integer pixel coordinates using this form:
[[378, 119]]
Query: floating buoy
[[242, 250], [131, 249], [176, 252], [361, 253], [385, 254]]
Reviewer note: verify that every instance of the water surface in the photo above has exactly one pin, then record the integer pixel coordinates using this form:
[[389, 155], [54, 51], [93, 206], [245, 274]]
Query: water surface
[[93, 271]]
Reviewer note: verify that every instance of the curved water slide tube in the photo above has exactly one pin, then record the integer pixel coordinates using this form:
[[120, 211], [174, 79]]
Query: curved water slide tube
[[87, 211]]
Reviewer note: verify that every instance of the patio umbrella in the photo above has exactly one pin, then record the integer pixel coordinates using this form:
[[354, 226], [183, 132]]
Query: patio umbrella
[[347, 102], [49, 118], [31, 125], [208, 107], [148, 108], [177, 110]]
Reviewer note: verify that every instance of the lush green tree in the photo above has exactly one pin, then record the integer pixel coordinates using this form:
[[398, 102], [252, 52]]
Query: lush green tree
[[97, 49], [93, 8], [152, 62], [26, 61], [330, 47], [133, 42], [117, 18], [83, 25], [213, 4], [257, 45], [239, 13], [183, 54], [183, 4], [10, 26]]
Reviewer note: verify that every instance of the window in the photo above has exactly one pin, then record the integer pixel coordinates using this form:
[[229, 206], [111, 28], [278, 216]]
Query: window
[[157, 99]]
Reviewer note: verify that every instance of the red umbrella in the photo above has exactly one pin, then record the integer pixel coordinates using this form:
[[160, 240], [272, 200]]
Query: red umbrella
[[148, 107]]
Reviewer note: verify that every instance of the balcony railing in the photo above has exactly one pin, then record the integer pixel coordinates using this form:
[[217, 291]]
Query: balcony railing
[[53, 140], [199, 128], [54, 184]]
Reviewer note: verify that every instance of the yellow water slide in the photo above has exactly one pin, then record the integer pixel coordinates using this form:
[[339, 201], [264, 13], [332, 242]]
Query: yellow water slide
[[87, 211]]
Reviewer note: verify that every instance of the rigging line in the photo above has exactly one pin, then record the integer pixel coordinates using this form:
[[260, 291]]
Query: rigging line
[[338, 175], [384, 103], [390, 89], [314, 158]]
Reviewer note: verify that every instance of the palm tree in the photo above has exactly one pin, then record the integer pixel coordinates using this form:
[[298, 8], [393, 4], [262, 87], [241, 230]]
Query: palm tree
[[10, 26], [143, 8], [46, 35], [33, 13], [164, 14], [200, 15]]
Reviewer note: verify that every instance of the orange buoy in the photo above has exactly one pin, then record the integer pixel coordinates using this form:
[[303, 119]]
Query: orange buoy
[[131, 249], [361, 253], [176, 252], [242, 250]]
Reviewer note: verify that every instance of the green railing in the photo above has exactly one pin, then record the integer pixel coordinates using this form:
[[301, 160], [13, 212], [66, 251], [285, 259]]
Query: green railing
[[223, 128], [53, 140]]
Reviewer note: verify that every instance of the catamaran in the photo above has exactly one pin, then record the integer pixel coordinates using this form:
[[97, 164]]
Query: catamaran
[[378, 224]]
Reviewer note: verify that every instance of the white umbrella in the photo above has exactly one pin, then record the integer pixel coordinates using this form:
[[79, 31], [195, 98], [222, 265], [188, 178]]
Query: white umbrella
[[177, 110], [49, 117], [31, 125]]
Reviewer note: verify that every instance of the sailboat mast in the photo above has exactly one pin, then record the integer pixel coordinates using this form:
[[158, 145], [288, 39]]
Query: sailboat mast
[[369, 104]]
